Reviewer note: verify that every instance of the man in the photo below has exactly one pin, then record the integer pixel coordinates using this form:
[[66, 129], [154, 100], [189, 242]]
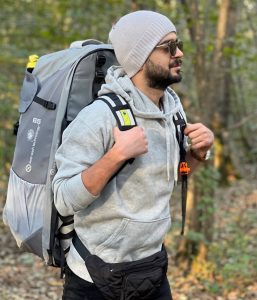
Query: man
[[126, 219]]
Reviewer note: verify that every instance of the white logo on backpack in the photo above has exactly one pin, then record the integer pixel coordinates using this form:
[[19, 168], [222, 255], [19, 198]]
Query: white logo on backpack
[[36, 121], [30, 135], [28, 168]]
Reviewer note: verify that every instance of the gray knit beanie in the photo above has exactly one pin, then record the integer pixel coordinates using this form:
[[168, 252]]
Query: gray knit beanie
[[135, 35]]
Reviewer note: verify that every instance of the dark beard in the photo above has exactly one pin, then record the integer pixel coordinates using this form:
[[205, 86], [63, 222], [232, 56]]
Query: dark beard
[[160, 79]]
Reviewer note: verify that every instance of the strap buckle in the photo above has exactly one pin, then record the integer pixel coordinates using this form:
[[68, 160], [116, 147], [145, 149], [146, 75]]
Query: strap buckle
[[49, 105], [184, 168]]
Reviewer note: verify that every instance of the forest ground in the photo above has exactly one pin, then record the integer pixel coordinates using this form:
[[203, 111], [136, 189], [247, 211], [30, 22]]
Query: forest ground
[[229, 274]]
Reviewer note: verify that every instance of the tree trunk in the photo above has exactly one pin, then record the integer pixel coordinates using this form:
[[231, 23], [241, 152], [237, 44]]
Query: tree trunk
[[213, 82]]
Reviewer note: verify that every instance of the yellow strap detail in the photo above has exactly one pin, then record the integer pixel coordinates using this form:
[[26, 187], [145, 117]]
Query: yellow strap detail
[[125, 117], [32, 61]]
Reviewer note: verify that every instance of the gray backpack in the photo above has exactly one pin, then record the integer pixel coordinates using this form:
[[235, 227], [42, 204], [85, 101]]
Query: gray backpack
[[60, 85]]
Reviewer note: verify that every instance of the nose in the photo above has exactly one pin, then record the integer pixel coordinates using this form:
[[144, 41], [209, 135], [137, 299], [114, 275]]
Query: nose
[[179, 53]]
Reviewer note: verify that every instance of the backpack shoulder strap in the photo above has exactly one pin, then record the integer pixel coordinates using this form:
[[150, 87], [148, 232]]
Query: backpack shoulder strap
[[121, 110], [124, 116], [180, 125]]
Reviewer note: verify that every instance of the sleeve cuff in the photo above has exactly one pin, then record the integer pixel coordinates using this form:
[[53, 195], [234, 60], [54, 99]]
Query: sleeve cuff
[[80, 196]]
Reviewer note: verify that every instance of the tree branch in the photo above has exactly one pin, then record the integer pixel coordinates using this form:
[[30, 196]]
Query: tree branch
[[242, 121]]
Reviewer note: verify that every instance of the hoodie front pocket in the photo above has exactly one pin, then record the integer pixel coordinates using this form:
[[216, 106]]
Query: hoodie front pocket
[[134, 239]]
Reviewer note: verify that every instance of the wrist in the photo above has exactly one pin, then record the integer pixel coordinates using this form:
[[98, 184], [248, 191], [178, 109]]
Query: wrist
[[116, 155], [200, 156]]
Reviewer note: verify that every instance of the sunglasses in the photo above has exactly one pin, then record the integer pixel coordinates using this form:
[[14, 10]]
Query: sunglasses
[[172, 46]]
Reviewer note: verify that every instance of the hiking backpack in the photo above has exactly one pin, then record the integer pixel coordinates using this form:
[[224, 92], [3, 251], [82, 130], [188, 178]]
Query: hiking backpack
[[55, 88]]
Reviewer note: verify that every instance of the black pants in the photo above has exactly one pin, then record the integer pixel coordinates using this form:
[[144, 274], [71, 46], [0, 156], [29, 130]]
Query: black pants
[[76, 288]]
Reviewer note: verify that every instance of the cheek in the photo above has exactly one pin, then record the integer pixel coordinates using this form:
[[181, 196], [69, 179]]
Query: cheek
[[163, 61], [158, 58]]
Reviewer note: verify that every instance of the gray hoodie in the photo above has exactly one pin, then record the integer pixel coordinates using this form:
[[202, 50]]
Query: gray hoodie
[[129, 219]]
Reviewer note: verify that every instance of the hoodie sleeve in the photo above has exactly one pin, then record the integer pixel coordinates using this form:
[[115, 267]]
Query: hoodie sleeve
[[84, 142]]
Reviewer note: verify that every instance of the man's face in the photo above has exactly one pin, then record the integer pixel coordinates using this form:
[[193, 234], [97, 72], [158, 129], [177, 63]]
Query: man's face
[[161, 68]]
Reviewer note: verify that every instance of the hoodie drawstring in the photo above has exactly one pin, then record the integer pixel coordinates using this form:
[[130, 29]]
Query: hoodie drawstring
[[175, 150], [168, 145]]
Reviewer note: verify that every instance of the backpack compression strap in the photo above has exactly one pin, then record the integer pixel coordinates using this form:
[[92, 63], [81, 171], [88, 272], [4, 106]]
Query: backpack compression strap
[[47, 104], [180, 126]]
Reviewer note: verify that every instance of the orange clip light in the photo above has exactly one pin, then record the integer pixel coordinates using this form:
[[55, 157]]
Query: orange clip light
[[183, 168]]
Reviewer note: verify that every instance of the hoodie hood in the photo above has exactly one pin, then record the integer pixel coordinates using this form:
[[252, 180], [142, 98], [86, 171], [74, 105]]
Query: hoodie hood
[[118, 82]]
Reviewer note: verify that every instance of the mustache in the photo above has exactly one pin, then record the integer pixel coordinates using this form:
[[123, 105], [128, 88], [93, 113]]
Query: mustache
[[176, 63]]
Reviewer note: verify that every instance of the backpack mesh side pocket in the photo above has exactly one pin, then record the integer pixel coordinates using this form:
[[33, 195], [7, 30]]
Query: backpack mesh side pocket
[[24, 218]]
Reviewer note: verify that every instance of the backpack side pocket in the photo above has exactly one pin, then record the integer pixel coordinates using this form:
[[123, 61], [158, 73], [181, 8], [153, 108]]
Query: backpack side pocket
[[23, 214]]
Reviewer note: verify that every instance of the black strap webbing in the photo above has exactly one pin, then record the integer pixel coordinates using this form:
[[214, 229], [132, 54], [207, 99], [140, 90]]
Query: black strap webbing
[[47, 104], [65, 236], [180, 126], [79, 246], [66, 219]]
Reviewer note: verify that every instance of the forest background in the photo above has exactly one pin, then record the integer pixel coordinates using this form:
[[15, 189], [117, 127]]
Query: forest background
[[217, 257]]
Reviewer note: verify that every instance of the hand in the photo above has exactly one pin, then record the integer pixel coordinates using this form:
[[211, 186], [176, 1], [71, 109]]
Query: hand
[[201, 137], [130, 143]]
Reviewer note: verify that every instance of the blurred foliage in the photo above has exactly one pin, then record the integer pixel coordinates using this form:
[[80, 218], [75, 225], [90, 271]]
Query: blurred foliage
[[235, 257]]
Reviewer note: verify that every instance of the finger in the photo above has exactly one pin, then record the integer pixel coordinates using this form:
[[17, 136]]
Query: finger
[[200, 146], [196, 140], [199, 135], [191, 127], [194, 135], [141, 131], [202, 142]]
